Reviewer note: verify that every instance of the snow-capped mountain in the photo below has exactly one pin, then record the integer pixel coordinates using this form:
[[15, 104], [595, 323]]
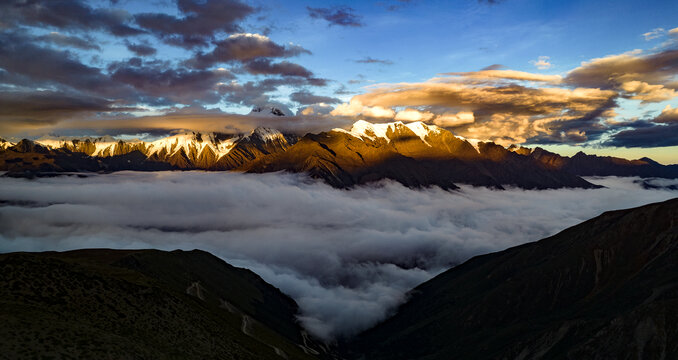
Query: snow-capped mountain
[[414, 154], [4, 144]]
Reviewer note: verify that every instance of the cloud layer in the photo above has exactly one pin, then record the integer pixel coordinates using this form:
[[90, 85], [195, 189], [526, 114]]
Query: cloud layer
[[347, 257]]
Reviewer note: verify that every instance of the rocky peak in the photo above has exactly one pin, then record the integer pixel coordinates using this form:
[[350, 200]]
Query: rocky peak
[[272, 111]]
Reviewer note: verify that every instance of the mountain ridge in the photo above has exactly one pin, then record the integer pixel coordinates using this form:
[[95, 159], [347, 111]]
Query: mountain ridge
[[414, 154]]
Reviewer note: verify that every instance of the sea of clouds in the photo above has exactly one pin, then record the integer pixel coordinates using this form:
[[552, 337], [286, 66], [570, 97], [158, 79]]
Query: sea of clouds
[[348, 257]]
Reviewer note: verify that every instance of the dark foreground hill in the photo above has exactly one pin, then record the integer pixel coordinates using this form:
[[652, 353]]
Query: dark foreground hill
[[146, 304], [604, 289]]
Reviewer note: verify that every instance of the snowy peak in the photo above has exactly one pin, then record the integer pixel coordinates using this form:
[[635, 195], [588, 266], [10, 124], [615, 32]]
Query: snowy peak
[[4, 144], [192, 143], [266, 134], [364, 129]]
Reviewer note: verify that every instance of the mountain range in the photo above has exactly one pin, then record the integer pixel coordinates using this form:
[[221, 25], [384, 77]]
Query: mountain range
[[414, 154]]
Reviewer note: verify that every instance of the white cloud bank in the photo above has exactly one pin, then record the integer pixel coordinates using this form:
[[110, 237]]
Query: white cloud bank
[[347, 257]]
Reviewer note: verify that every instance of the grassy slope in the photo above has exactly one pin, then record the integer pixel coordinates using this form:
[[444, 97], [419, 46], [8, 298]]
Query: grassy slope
[[134, 305]]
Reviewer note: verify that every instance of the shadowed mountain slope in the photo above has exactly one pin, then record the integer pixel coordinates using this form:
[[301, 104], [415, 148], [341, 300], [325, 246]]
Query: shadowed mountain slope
[[604, 289], [137, 304]]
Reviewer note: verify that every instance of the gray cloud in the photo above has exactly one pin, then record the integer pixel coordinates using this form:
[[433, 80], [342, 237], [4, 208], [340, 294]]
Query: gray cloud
[[369, 60], [71, 41], [306, 98], [242, 48], [342, 16], [198, 21], [141, 49], [347, 257], [646, 137], [163, 82], [68, 15], [283, 68]]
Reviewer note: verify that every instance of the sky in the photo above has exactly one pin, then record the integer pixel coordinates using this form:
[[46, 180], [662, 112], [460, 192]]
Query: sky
[[598, 76]]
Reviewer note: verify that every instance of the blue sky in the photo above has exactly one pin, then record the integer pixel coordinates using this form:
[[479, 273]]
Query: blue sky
[[348, 53]]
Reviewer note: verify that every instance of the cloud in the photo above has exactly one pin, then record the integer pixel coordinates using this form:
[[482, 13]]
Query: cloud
[[306, 98], [46, 68], [283, 68], [542, 63], [172, 85], [510, 106], [67, 15], [342, 16], [244, 47], [356, 108], [141, 49], [653, 136], [26, 110], [413, 115], [198, 22], [347, 257], [369, 60], [496, 74], [453, 120], [68, 41], [505, 112], [611, 72], [667, 116], [193, 118], [640, 90], [655, 33], [661, 131], [316, 109]]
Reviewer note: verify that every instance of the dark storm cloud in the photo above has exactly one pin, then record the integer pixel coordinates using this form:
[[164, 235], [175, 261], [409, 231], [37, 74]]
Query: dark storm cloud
[[66, 15], [68, 41], [306, 98], [653, 136], [175, 85], [342, 16], [198, 23], [49, 67], [347, 257], [369, 60], [141, 49], [244, 47]]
